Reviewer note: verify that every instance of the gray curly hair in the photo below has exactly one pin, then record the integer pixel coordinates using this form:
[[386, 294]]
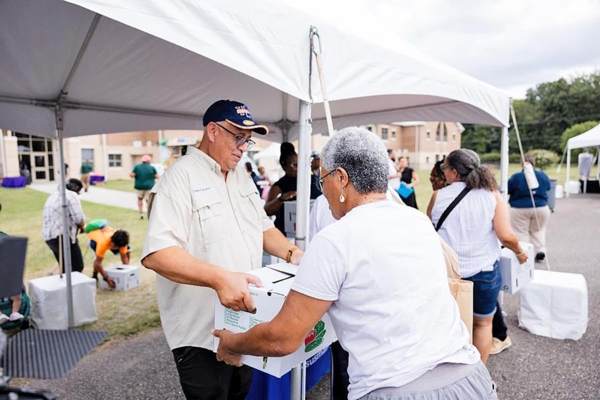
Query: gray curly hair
[[364, 157]]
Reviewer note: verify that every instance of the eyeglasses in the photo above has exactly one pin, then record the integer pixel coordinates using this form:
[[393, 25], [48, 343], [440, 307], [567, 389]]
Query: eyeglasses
[[320, 181], [444, 167], [239, 140]]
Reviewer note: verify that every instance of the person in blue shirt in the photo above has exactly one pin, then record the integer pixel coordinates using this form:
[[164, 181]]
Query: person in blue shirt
[[524, 218]]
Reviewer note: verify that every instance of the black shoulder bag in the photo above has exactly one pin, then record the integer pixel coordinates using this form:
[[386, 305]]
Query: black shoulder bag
[[454, 203]]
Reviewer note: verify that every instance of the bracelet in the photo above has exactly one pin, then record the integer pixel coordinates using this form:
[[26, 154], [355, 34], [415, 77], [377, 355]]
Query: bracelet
[[288, 257]]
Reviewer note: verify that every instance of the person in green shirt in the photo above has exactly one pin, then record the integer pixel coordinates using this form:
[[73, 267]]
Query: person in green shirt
[[144, 175], [86, 168]]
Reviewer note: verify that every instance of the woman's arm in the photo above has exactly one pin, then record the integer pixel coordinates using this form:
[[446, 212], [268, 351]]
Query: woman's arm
[[415, 179], [431, 204], [273, 204], [503, 229]]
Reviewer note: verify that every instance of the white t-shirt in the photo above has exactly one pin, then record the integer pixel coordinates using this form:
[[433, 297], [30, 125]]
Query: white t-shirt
[[383, 268], [394, 183]]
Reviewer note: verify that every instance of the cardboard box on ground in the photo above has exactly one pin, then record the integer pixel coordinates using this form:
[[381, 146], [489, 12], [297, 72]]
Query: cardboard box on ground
[[268, 300], [126, 277], [515, 276]]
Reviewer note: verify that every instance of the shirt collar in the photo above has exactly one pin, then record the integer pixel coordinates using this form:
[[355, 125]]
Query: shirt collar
[[204, 158]]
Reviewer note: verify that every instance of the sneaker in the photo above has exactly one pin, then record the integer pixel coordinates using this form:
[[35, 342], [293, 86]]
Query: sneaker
[[3, 318], [141, 216], [540, 256], [498, 346], [16, 316]]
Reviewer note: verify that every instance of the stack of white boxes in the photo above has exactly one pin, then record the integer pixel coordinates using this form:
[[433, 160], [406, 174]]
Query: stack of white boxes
[[126, 277]]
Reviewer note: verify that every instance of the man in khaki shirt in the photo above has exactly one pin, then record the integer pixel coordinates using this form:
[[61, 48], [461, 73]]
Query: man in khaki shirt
[[206, 230]]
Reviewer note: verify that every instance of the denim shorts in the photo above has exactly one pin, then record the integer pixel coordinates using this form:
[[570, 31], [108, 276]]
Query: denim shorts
[[486, 286]]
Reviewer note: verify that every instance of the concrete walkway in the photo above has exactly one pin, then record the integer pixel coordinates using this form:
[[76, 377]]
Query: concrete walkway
[[534, 367], [95, 194]]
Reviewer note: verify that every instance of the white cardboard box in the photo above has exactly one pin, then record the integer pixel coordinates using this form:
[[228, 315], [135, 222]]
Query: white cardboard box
[[515, 275], [48, 297], [126, 277], [277, 280], [555, 305], [289, 213]]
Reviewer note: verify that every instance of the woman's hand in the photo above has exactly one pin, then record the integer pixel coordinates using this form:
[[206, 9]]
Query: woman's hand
[[288, 196], [522, 257]]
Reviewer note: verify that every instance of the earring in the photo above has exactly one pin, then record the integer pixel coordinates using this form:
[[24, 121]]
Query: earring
[[342, 198]]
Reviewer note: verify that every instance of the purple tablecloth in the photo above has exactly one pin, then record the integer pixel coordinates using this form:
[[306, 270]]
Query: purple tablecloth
[[15, 182], [96, 178]]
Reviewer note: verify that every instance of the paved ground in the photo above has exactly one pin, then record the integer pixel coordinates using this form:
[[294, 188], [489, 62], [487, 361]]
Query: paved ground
[[95, 194], [533, 368]]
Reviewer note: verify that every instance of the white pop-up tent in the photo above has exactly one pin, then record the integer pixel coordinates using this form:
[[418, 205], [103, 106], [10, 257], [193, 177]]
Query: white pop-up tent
[[100, 66], [590, 138]]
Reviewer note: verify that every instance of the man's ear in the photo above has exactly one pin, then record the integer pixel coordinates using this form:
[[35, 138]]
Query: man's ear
[[211, 131]]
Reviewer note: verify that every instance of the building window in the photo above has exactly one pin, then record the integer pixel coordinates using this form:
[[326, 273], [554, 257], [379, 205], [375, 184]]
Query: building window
[[426, 160], [453, 137], [87, 155], [445, 133], [384, 133], [114, 160], [437, 157], [438, 133], [370, 128], [393, 134], [428, 135]]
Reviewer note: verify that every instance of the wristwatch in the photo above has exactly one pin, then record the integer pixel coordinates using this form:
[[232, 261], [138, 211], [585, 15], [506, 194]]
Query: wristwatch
[[288, 257]]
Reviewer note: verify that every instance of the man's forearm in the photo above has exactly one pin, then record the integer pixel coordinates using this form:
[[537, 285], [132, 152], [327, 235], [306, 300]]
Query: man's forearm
[[179, 266], [262, 340], [275, 243]]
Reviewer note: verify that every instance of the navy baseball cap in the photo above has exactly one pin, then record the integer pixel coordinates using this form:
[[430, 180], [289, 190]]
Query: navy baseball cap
[[236, 113]]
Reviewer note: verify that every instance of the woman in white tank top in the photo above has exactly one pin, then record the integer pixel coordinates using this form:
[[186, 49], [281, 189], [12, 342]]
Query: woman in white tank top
[[473, 229]]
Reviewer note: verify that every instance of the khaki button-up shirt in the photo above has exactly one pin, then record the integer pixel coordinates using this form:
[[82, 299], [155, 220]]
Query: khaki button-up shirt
[[216, 221]]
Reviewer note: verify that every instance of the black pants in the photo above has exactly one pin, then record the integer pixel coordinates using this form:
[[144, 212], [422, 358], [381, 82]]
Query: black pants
[[499, 328], [76, 257], [202, 377], [339, 372]]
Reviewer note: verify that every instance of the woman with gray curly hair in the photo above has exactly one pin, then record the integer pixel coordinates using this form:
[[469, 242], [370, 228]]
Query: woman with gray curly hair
[[472, 228], [385, 290]]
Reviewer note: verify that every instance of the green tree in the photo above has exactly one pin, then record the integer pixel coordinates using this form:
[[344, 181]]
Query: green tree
[[573, 131]]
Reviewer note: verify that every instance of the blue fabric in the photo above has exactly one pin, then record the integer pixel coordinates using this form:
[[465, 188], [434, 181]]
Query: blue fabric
[[15, 182], [519, 191], [267, 387], [96, 178], [486, 286]]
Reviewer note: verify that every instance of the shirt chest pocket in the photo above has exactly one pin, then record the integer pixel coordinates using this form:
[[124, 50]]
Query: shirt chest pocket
[[209, 218], [250, 209]]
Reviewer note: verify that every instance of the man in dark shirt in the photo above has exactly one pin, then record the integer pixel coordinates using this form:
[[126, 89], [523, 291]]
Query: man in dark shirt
[[145, 175]]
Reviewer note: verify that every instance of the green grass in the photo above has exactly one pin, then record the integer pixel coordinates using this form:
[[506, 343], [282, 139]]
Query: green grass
[[125, 185], [120, 313]]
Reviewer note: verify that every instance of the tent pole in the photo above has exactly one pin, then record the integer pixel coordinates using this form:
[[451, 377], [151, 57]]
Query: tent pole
[[302, 211], [66, 242], [568, 170], [3, 154], [504, 164]]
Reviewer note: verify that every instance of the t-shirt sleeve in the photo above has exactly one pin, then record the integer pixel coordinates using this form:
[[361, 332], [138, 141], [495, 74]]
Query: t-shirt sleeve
[[135, 169], [322, 270]]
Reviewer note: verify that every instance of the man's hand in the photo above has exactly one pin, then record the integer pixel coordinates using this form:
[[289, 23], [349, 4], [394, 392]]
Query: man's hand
[[233, 293], [111, 283], [296, 257], [223, 352]]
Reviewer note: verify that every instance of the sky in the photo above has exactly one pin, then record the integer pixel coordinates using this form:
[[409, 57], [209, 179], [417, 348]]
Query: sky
[[512, 45]]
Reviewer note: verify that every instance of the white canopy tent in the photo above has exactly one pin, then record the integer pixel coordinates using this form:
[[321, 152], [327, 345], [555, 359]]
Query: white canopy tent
[[103, 66], [590, 138]]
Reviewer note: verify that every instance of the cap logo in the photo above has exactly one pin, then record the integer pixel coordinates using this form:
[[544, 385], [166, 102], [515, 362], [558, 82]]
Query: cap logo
[[247, 122], [243, 111]]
